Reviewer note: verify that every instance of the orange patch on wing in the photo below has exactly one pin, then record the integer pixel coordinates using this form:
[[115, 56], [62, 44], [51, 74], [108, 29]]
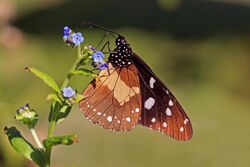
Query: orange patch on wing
[[111, 100]]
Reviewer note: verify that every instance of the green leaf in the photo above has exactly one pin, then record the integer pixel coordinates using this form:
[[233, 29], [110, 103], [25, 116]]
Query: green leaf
[[57, 140], [63, 113], [45, 77], [83, 71], [54, 97], [23, 147]]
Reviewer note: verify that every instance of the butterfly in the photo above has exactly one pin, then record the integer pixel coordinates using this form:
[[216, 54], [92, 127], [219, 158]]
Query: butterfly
[[128, 93]]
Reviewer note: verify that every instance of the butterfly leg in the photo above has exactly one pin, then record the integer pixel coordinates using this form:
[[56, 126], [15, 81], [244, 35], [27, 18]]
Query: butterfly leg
[[106, 44], [103, 37], [108, 71]]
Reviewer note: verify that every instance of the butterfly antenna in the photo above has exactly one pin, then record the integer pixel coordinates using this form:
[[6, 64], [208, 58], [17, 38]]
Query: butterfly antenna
[[93, 25]]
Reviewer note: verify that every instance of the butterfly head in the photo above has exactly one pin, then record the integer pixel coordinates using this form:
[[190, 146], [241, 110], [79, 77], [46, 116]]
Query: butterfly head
[[121, 55], [120, 41]]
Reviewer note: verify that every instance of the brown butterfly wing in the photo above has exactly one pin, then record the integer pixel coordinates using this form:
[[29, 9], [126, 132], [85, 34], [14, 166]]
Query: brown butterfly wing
[[131, 93], [160, 109], [113, 99]]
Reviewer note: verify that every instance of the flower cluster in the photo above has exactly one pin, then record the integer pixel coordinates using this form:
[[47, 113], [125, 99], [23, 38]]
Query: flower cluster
[[27, 115], [75, 39], [72, 38], [98, 60]]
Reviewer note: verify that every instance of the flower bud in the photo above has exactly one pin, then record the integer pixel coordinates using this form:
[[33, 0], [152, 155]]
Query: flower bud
[[27, 116]]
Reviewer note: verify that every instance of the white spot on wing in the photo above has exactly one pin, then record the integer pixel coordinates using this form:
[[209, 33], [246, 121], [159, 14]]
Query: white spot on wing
[[181, 129], [168, 112], [170, 103], [149, 103], [153, 120], [164, 124], [185, 121], [151, 82], [137, 110], [128, 119], [99, 113], [109, 118]]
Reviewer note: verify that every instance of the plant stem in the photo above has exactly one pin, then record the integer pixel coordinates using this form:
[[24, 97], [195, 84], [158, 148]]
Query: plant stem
[[52, 126], [34, 134], [52, 123], [68, 77]]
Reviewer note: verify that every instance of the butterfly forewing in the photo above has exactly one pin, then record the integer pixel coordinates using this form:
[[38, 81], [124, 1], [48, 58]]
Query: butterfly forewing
[[160, 109], [113, 98]]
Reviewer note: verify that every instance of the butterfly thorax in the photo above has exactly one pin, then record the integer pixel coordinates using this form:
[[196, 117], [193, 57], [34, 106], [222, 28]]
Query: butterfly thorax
[[121, 55]]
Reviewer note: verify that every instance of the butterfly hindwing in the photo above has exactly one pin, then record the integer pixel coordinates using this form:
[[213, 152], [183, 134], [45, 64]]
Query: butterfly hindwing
[[113, 98], [160, 109]]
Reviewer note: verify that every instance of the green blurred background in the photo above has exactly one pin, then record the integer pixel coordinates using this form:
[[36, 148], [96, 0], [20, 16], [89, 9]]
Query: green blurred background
[[199, 48]]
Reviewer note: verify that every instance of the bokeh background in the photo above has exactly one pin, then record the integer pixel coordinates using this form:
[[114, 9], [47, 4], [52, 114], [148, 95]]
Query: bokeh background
[[199, 48]]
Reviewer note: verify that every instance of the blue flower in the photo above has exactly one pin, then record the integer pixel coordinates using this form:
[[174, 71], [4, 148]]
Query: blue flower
[[66, 32], [98, 57], [77, 38], [102, 66], [68, 92]]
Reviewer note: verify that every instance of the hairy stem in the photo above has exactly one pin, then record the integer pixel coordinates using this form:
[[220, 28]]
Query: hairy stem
[[34, 134]]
